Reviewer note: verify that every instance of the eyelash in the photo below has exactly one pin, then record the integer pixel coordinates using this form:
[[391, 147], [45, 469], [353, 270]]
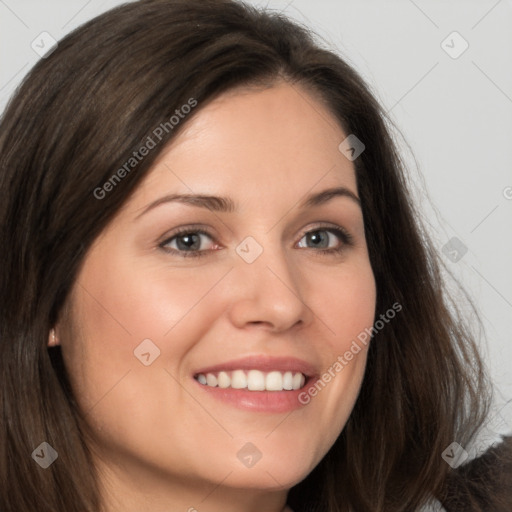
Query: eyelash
[[346, 238]]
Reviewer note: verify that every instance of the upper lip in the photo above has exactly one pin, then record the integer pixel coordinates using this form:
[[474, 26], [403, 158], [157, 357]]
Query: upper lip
[[263, 363]]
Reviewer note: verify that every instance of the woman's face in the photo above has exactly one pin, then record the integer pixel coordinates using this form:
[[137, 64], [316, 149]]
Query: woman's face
[[151, 310]]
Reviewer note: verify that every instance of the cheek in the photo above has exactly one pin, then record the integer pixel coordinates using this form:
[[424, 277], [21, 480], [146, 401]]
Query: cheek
[[347, 308], [117, 308], [130, 303], [344, 300], [114, 309]]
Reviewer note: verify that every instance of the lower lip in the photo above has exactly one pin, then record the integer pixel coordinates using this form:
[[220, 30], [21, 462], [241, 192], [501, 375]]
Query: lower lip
[[258, 401]]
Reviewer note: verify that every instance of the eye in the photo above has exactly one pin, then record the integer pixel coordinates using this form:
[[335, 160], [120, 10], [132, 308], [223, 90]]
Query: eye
[[323, 237], [186, 242]]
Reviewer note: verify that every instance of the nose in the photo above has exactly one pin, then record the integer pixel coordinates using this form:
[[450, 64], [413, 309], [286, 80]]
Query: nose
[[269, 292]]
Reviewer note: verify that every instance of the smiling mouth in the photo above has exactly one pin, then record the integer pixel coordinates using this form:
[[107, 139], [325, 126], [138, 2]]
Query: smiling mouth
[[253, 380]]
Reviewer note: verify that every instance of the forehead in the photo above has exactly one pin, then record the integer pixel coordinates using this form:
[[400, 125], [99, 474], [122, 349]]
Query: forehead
[[271, 144]]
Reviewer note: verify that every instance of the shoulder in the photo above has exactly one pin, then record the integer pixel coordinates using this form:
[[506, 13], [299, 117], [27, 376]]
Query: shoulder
[[484, 483]]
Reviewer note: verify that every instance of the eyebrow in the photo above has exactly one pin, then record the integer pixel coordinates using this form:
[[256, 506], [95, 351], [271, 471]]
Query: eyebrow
[[227, 205]]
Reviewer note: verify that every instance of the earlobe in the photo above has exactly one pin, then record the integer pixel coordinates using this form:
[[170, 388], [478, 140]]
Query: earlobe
[[53, 339]]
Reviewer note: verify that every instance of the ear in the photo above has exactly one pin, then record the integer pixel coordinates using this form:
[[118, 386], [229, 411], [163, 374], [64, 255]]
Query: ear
[[53, 338]]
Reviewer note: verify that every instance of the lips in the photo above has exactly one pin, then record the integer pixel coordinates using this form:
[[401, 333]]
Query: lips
[[257, 383]]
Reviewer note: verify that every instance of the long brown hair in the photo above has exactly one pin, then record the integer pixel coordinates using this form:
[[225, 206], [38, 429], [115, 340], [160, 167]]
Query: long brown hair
[[79, 116]]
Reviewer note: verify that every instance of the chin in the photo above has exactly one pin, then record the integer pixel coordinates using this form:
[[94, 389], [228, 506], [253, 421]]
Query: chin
[[274, 472]]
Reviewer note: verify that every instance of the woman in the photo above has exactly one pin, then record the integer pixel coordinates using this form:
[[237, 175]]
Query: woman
[[170, 339]]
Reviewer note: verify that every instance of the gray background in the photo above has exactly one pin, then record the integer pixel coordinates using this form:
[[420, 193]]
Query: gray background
[[454, 113]]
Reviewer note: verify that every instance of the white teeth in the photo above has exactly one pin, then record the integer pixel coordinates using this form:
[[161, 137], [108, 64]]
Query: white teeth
[[223, 380], [211, 380], [298, 381], [288, 380], [238, 379], [254, 380], [274, 381]]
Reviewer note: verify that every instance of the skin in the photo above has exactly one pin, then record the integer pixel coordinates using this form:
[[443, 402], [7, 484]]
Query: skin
[[159, 443]]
